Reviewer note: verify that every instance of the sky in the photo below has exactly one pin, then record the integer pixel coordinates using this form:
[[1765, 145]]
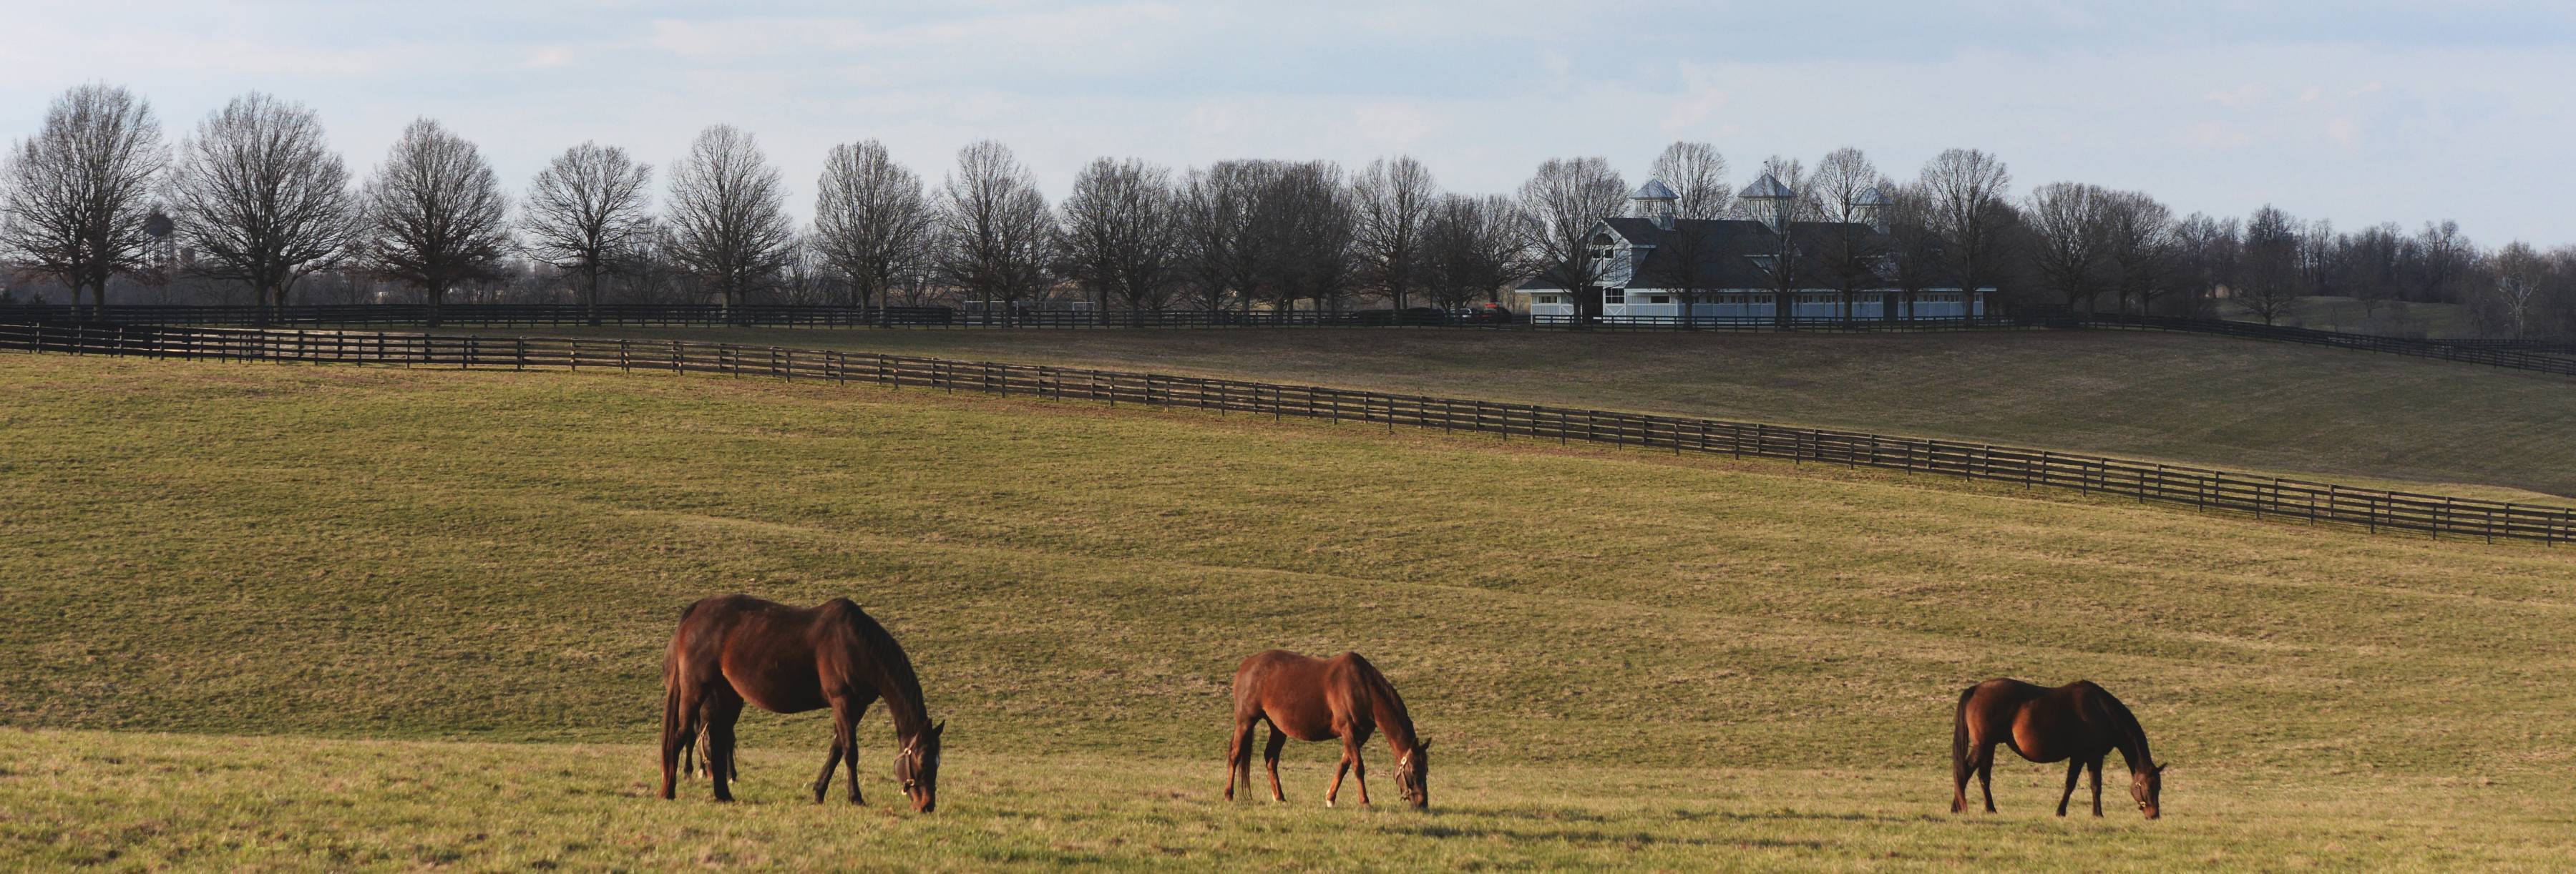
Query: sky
[[2357, 112]]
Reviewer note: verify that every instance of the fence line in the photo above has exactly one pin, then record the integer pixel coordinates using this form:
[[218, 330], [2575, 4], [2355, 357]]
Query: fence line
[[2531, 355], [2215, 490], [836, 316]]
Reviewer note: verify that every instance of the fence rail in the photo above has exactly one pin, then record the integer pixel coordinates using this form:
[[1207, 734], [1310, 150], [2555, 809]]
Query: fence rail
[[2532, 355], [2214, 490], [832, 316]]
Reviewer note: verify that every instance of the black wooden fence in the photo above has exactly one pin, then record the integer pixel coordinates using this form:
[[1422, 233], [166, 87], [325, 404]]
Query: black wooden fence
[[2216, 490], [833, 316]]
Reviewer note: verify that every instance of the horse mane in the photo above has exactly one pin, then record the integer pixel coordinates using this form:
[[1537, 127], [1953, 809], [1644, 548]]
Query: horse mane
[[890, 659], [1386, 705], [2136, 734]]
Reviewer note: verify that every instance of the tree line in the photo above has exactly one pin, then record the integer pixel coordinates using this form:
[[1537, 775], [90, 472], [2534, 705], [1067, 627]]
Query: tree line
[[254, 203]]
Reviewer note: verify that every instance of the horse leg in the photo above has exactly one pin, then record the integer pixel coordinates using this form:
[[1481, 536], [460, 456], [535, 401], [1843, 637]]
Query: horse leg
[[1986, 774], [721, 713], [1359, 771], [850, 744], [831, 761], [2095, 767], [1340, 770], [1238, 754], [1270, 759], [2074, 769]]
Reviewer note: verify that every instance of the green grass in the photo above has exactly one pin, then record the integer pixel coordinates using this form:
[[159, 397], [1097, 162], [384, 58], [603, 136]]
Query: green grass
[[153, 801], [323, 578], [2352, 417]]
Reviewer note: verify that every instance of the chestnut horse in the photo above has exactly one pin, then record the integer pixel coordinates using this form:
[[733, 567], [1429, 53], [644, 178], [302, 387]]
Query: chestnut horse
[[1314, 699], [738, 648], [2078, 723]]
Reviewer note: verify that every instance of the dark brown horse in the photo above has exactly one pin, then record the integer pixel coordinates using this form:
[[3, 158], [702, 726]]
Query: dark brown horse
[[738, 648], [2078, 723], [1314, 699]]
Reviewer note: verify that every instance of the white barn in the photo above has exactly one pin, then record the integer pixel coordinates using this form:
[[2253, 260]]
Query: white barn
[[1649, 264]]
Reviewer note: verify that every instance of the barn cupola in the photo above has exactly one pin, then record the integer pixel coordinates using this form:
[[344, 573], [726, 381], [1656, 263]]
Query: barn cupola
[[1655, 201], [1768, 201], [1872, 208]]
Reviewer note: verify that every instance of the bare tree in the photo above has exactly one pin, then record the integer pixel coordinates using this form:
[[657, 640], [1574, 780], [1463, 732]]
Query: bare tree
[[587, 204], [76, 198], [728, 216], [1300, 232], [2374, 264], [2521, 275], [2271, 287], [1967, 190], [1120, 233], [2438, 260], [1916, 262], [262, 199], [872, 220], [2070, 226], [1394, 202], [1216, 259], [1781, 200], [1851, 197], [434, 213], [2138, 243], [1697, 175], [1559, 205], [2209, 254], [999, 236], [1474, 247]]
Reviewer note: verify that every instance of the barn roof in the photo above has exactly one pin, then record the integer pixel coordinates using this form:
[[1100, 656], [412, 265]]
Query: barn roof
[[1767, 186]]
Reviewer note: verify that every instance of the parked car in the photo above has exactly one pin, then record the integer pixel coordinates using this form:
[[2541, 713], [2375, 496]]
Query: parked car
[[1482, 314]]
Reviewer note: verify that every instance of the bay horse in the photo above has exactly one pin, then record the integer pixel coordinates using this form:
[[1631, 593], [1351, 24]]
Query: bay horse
[[736, 648], [1314, 699], [2079, 723]]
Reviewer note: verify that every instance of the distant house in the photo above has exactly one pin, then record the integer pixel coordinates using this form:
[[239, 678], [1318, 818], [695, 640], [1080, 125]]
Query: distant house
[[1651, 263]]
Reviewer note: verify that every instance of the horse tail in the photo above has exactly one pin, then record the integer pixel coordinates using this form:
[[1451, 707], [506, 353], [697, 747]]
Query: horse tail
[[673, 721], [1959, 739]]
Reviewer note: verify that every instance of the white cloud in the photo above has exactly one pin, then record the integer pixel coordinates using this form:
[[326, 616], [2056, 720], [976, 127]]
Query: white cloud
[[548, 58]]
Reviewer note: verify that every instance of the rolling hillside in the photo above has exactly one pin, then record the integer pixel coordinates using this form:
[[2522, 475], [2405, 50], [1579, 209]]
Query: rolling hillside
[[1625, 657], [2210, 401]]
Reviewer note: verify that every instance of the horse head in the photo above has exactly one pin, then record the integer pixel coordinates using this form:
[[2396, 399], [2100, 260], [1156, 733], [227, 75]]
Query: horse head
[[918, 767], [1413, 775], [2147, 786]]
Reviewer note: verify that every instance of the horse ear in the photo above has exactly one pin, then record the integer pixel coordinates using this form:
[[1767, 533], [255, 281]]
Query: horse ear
[[938, 727], [1424, 746]]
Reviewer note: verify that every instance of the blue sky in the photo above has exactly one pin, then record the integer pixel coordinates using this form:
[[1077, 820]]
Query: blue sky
[[2357, 112]]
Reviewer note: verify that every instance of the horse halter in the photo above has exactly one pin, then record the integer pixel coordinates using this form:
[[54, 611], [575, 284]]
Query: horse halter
[[910, 755]]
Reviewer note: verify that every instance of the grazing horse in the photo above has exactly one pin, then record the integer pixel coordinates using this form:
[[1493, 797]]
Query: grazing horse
[[2078, 723], [737, 648], [1314, 699]]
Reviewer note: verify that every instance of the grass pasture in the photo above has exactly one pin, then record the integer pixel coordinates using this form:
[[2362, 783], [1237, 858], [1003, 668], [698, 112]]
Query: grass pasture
[[282, 616], [2352, 417], [142, 800]]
